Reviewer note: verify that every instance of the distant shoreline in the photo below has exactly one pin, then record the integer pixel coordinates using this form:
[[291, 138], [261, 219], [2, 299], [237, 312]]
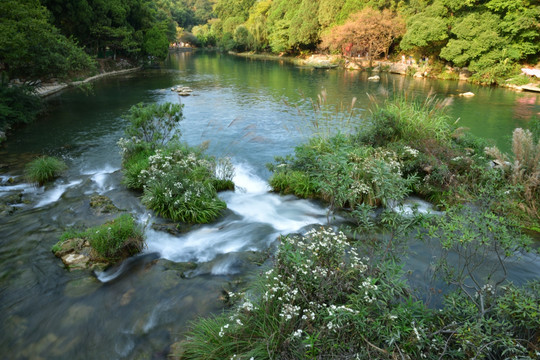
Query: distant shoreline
[[48, 89]]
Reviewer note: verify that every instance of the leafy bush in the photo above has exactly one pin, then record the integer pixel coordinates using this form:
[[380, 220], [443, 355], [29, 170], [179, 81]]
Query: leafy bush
[[410, 121], [322, 300], [152, 125], [133, 166], [523, 172], [178, 182], [319, 301], [44, 169], [18, 104], [178, 185]]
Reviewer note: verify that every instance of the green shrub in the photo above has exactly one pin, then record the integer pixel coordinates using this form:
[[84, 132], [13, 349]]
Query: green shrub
[[343, 174], [154, 125], [319, 301], [133, 166], [117, 239], [178, 182], [294, 182], [44, 169], [18, 104], [179, 185]]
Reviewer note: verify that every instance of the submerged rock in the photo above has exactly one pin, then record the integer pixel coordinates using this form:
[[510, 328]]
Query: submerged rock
[[467, 94], [374, 78], [102, 205]]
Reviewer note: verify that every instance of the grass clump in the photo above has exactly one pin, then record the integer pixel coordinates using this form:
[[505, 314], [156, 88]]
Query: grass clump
[[111, 242], [178, 182], [44, 169]]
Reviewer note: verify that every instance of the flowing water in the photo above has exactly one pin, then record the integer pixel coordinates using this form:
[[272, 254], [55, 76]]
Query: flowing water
[[248, 110]]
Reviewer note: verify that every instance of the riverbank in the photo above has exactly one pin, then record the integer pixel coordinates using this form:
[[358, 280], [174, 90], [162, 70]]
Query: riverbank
[[48, 89], [409, 68]]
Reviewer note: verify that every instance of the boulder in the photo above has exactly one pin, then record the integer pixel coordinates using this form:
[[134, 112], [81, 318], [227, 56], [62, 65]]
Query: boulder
[[351, 65], [374, 78], [398, 68], [75, 261], [467, 94]]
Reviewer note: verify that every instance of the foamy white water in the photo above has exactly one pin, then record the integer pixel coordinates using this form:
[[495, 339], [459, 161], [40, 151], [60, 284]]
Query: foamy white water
[[53, 195], [259, 218]]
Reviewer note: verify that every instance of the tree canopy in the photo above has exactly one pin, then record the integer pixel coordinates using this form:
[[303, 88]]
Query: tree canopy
[[488, 36]]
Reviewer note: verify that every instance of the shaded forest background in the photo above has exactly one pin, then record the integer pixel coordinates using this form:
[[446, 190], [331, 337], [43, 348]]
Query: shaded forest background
[[44, 38]]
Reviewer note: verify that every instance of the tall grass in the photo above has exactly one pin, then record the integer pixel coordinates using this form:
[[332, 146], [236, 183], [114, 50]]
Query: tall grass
[[522, 169], [44, 169], [401, 119], [112, 241]]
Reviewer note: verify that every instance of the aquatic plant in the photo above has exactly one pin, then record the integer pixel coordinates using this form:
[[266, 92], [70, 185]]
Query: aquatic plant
[[320, 300], [44, 169], [178, 182], [112, 241], [179, 185], [343, 173], [154, 124]]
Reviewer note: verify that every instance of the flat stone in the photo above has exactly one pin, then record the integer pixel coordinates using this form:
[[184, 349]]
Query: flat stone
[[467, 94], [75, 260]]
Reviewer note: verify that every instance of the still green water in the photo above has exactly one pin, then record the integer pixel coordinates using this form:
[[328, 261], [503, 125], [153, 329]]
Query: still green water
[[248, 109]]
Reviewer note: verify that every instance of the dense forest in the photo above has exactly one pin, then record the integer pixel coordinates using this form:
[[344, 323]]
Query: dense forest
[[56, 38], [488, 36], [40, 38]]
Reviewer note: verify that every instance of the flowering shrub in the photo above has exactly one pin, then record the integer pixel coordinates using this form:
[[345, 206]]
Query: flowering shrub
[[320, 300], [178, 182], [345, 175]]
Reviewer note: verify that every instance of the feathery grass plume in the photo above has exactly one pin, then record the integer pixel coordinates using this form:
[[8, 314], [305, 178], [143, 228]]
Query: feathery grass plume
[[44, 169], [522, 169]]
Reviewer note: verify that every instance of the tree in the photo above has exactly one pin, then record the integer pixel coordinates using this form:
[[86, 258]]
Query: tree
[[31, 47], [156, 43], [369, 30], [427, 31]]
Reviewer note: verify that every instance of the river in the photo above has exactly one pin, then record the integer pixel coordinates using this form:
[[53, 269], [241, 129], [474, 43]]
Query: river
[[250, 110]]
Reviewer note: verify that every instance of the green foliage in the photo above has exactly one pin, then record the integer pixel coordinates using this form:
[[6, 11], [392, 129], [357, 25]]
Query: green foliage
[[116, 239], [179, 185], [112, 241], [44, 169], [18, 104], [523, 173], [319, 301], [31, 47], [178, 182], [294, 182], [156, 43], [322, 300], [411, 121], [152, 125], [133, 166]]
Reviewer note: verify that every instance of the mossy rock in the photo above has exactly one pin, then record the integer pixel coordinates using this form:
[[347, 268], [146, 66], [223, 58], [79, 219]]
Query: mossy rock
[[103, 205], [180, 268]]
